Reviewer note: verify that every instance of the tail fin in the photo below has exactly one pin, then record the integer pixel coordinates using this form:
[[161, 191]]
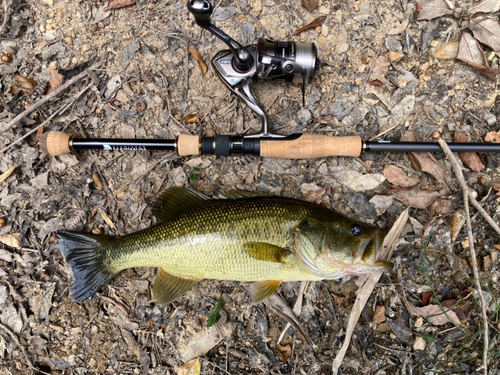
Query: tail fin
[[83, 252]]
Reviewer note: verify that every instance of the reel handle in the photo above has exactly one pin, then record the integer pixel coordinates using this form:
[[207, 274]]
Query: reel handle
[[202, 11]]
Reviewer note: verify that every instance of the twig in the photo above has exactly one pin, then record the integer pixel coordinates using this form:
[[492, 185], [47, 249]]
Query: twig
[[296, 308], [6, 6], [18, 343], [48, 97], [60, 110], [467, 195]]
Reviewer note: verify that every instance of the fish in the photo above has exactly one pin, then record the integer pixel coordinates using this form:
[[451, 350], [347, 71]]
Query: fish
[[244, 236]]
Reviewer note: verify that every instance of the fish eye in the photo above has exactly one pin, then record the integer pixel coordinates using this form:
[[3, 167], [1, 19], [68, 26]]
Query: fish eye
[[356, 230]]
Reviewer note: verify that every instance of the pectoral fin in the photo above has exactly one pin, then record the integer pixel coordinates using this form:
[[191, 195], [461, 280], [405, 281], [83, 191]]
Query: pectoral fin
[[267, 252], [260, 290], [167, 287]]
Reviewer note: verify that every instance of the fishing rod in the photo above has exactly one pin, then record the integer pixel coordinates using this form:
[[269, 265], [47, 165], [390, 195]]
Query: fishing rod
[[237, 68], [295, 146]]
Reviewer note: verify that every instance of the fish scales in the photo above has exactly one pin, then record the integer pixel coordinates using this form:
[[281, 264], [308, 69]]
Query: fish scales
[[207, 242], [247, 237]]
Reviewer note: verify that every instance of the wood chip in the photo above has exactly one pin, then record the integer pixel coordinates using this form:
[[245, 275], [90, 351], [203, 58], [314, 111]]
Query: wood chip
[[108, 220], [5, 175]]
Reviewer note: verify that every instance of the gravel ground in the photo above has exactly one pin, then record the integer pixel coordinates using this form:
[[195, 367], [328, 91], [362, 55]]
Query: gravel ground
[[384, 74]]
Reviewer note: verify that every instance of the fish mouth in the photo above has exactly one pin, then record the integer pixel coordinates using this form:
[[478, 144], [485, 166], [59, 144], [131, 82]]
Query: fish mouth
[[365, 259]]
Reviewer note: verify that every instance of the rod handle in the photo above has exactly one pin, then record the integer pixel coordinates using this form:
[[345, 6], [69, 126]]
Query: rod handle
[[55, 143], [188, 145], [309, 146]]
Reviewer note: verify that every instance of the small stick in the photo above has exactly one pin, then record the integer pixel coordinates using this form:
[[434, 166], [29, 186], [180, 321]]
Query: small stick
[[48, 97], [467, 195], [297, 308], [46, 121]]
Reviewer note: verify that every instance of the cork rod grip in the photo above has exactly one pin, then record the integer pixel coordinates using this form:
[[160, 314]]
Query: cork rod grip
[[55, 143], [188, 145], [309, 146]]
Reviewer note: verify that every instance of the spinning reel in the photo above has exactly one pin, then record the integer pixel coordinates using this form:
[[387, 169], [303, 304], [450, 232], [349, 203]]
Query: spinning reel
[[239, 66]]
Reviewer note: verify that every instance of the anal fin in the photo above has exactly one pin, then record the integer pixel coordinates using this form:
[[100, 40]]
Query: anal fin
[[167, 287], [262, 289]]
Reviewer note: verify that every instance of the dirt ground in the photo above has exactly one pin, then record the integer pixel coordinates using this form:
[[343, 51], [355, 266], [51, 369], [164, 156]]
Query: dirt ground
[[383, 73]]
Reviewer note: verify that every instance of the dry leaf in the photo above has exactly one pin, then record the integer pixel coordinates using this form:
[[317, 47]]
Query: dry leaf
[[417, 198], [285, 351], [197, 56], [487, 31], [425, 161], [192, 367], [11, 240], [430, 9], [442, 208], [492, 137], [314, 24], [457, 223], [379, 315], [380, 66], [101, 15], [5, 175], [116, 4], [462, 307], [26, 83], [470, 159], [310, 5], [56, 79], [375, 82], [396, 176], [192, 118], [434, 314], [485, 6], [108, 220], [97, 180], [471, 53], [426, 299]]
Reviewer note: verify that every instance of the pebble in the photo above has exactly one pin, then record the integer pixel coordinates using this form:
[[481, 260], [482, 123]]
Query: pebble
[[393, 45], [324, 30], [68, 41], [419, 322], [419, 343], [85, 48], [257, 6], [304, 116], [324, 10], [342, 47]]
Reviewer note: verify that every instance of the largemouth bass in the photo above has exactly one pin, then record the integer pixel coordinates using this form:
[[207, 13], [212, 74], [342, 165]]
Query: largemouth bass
[[245, 237]]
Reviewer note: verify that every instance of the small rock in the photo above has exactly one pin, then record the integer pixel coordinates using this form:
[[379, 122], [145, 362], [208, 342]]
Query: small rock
[[324, 10], [419, 322], [381, 203], [122, 97], [446, 51], [85, 48], [248, 31], [393, 45], [257, 6], [419, 343], [342, 47], [223, 13], [304, 116], [491, 119]]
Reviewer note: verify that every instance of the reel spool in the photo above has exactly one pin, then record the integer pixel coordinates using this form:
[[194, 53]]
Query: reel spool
[[281, 61]]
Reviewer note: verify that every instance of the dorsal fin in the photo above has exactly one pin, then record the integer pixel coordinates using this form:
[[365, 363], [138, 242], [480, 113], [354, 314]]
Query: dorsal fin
[[175, 200], [239, 194], [167, 287]]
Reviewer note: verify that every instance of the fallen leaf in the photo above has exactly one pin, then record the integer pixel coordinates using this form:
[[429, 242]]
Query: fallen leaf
[[5, 175], [192, 367], [97, 180], [11, 240], [417, 198], [101, 15], [492, 137], [441, 208], [310, 5], [430, 9], [462, 307], [470, 52], [380, 66], [426, 299], [192, 118], [457, 223], [425, 161], [314, 24], [487, 31], [26, 83], [284, 351], [484, 6], [470, 159], [434, 314], [56, 79], [197, 56], [108, 220], [375, 82], [396, 176], [116, 4], [379, 315]]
